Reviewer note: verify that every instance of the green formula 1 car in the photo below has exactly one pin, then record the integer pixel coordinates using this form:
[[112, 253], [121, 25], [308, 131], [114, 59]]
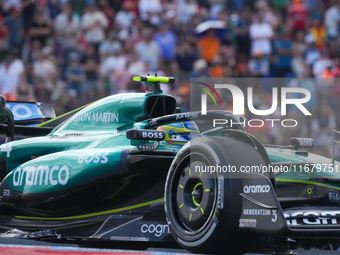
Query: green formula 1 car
[[132, 168]]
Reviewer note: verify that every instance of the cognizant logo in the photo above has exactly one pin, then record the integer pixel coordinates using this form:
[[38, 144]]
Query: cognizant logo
[[157, 230], [239, 104]]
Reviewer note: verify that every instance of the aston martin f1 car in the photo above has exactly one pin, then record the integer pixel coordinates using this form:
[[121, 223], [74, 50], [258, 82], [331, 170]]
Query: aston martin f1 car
[[132, 168]]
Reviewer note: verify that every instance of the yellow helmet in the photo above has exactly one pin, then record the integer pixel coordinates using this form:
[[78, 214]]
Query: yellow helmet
[[181, 132]]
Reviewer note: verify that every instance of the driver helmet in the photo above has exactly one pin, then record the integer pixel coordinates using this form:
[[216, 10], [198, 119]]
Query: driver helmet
[[181, 131]]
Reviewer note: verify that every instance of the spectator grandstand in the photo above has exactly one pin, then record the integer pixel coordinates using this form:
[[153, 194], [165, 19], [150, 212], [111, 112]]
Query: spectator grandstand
[[72, 52]]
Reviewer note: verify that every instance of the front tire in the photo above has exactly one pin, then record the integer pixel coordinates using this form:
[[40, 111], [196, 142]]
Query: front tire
[[203, 208]]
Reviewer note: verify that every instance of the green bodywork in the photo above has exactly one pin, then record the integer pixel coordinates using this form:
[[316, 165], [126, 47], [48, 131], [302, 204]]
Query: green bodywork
[[86, 147], [90, 143], [315, 167]]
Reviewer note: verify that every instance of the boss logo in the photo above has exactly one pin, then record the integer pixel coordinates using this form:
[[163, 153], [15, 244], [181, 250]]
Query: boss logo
[[144, 134], [302, 142], [152, 135]]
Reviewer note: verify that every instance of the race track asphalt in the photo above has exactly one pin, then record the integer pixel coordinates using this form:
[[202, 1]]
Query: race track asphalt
[[31, 247]]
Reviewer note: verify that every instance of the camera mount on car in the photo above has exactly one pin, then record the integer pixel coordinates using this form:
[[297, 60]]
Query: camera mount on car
[[153, 83]]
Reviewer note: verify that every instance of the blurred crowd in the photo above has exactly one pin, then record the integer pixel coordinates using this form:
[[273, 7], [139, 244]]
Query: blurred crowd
[[72, 52]]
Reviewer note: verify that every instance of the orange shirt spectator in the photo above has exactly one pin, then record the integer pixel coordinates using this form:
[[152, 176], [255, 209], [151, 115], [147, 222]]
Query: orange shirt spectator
[[9, 97], [217, 70], [327, 73], [209, 45]]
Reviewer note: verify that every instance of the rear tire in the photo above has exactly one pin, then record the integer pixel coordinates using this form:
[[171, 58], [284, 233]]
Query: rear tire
[[203, 209]]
